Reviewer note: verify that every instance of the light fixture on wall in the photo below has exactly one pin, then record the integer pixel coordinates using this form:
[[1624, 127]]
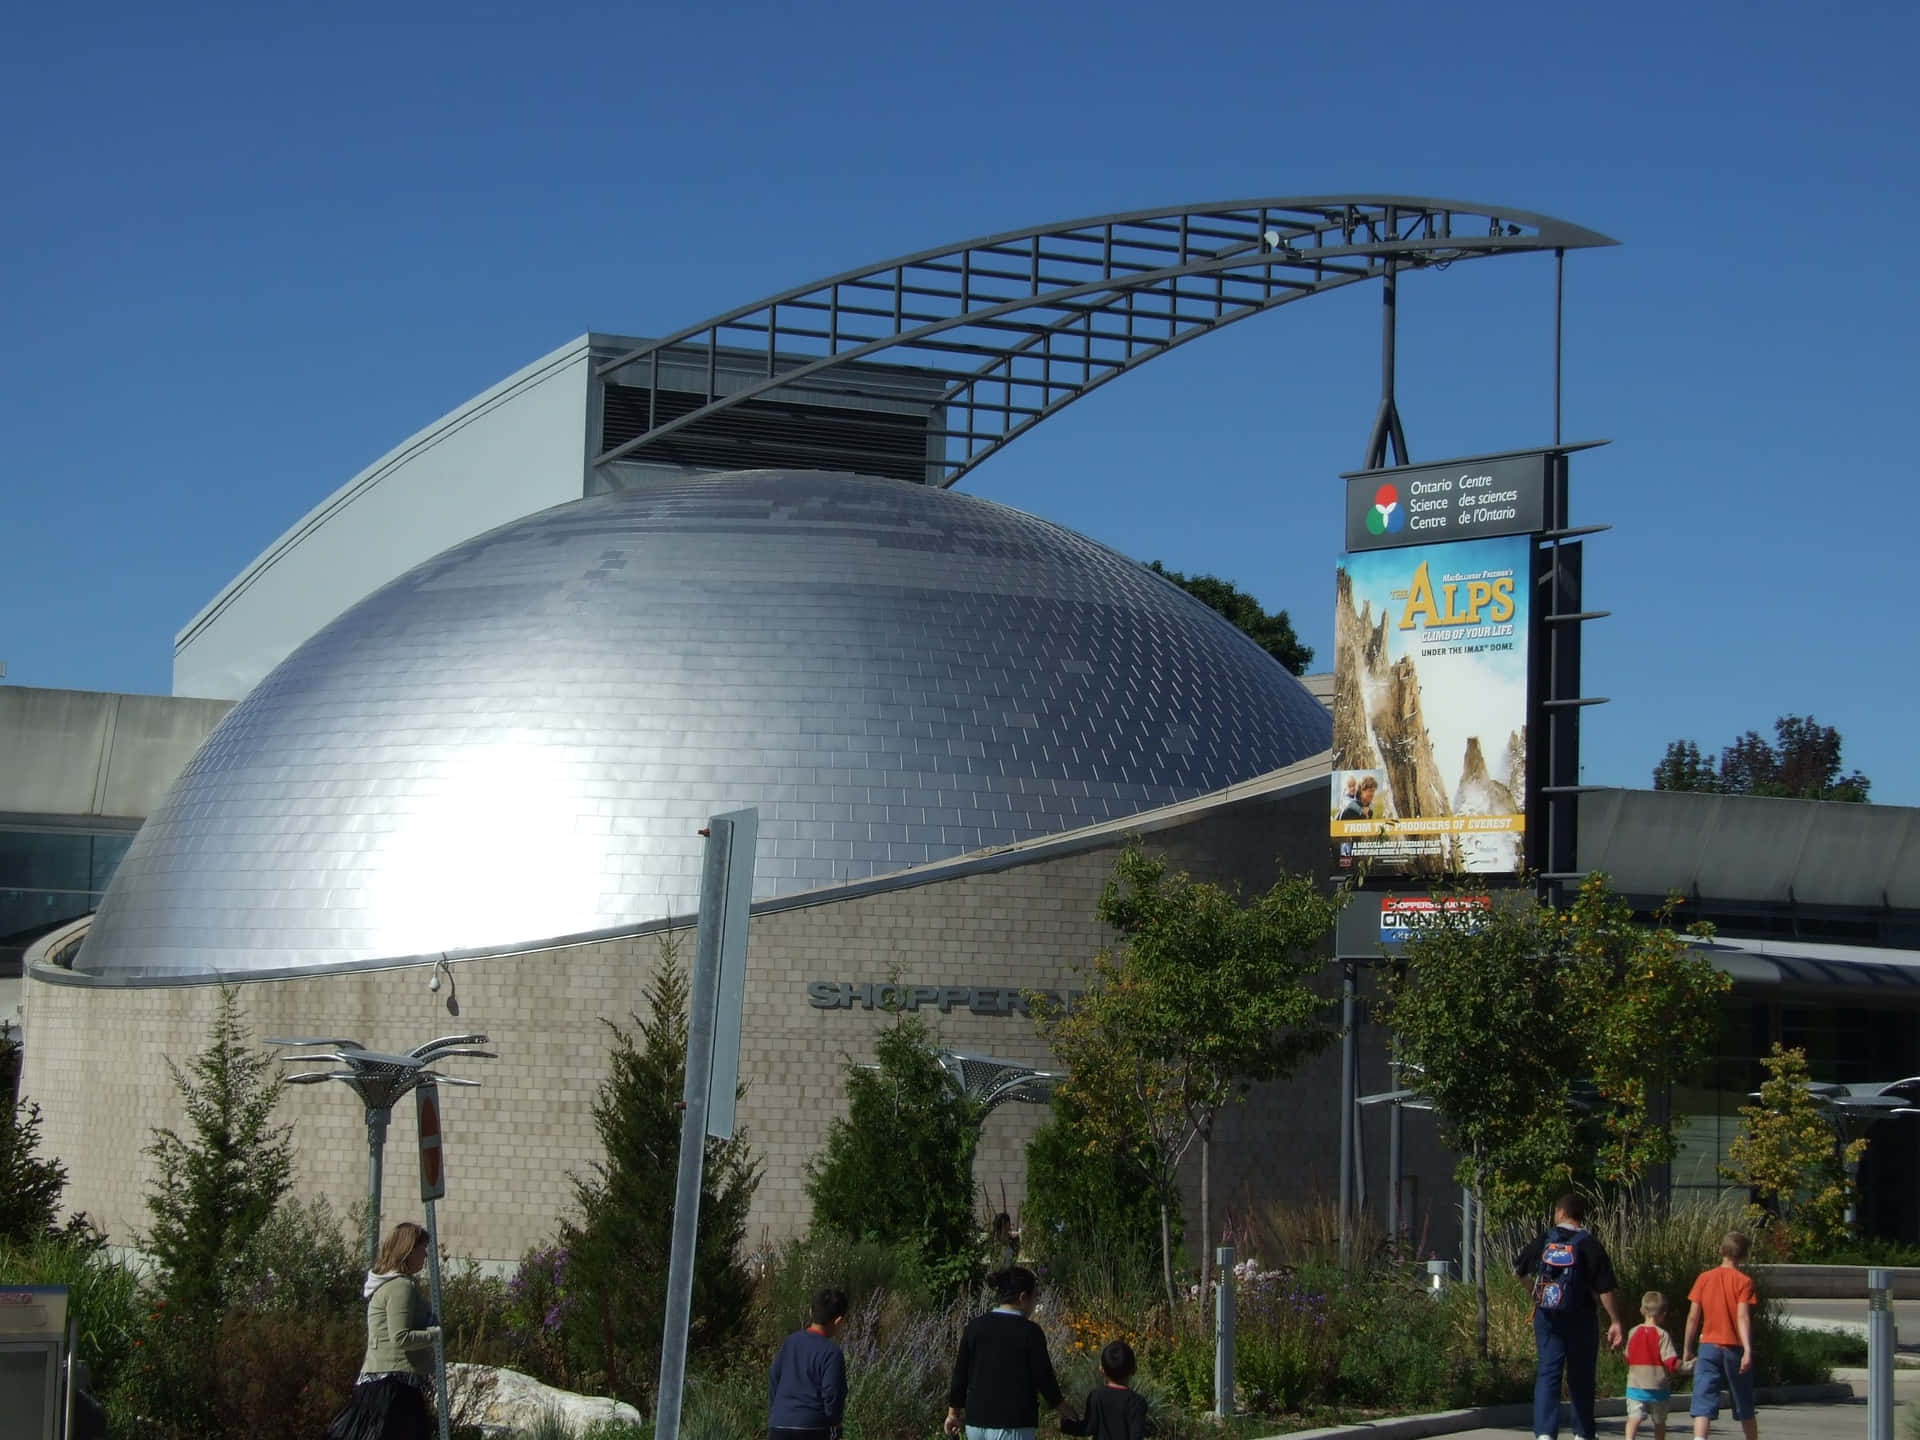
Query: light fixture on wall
[[453, 992]]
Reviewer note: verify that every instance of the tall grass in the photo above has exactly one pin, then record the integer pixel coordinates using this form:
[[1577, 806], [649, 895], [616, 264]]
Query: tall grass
[[103, 1298]]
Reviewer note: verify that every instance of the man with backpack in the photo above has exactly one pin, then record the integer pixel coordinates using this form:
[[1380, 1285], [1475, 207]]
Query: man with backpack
[[1570, 1270]]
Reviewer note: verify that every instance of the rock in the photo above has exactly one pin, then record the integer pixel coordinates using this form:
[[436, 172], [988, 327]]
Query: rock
[[505, 1402]]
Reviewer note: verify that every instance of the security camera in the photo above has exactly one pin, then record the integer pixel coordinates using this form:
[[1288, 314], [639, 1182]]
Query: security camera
[[1272, 237], [433, 980]]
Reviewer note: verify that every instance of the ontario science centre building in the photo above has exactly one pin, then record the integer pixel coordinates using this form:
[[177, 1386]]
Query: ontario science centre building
[[463, 722]]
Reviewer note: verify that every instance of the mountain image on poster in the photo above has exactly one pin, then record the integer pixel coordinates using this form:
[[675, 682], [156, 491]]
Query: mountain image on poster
[[1430, 710]]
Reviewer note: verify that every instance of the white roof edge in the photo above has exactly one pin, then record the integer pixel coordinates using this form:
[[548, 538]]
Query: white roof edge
[[1822, 950], [373, 474]]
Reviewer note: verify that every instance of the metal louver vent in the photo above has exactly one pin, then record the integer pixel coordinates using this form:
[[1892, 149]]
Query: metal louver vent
[[769, 434]]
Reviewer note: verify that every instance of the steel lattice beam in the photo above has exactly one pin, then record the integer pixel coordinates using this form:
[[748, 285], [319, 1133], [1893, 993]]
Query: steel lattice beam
[[1022, 324]]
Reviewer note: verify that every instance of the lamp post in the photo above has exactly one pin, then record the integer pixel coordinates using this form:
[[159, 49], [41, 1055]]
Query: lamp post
[[1856, 1107], [380, 1080]]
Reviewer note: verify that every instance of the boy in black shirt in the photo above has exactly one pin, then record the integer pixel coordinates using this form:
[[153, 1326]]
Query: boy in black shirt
[[1114, 1412], [1570, 1270]]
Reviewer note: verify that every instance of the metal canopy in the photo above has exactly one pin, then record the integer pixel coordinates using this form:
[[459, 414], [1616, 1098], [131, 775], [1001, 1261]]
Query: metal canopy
[[991, 1082], [1022, 324]]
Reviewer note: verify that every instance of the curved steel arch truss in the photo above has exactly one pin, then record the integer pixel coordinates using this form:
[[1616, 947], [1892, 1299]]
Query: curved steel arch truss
[[1013, 328]]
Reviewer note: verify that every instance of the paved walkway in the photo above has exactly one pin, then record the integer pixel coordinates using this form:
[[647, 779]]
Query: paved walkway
[[1844, 1421], [1796, 1422]]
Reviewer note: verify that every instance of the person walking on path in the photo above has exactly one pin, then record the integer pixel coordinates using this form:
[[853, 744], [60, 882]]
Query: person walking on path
[[1113, 1412], [1651, 1361], [396, 1376], [1003, 1370], [807, 1391], [1721, 1318], [1570, 1270]]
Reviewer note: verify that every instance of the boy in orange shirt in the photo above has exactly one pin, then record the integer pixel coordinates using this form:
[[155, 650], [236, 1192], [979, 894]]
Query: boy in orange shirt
[[1721, 1318]]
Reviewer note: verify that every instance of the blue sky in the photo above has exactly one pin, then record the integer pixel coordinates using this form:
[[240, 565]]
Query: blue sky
[[245, 252]]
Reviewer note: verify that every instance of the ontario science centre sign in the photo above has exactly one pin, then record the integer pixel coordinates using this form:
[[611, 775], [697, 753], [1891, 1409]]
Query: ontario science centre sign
[[1439, 611]]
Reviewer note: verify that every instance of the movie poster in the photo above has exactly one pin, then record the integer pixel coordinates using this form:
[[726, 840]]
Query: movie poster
[[1430, 710]]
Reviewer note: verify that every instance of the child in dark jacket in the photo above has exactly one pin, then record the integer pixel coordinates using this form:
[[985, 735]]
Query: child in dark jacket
[[1113, 1411]]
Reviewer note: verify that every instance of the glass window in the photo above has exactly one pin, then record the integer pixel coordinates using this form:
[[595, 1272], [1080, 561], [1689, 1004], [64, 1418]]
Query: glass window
[[48, 877]]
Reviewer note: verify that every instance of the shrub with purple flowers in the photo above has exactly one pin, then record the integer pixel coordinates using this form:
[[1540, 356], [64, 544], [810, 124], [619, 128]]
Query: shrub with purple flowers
[[533, 1319]]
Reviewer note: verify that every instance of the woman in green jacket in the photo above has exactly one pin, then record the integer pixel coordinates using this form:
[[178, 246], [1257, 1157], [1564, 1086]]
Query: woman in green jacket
[[396, 1377]]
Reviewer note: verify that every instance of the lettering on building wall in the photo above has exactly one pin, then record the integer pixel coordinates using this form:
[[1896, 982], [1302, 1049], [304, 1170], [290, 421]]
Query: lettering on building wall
[[948, 999]]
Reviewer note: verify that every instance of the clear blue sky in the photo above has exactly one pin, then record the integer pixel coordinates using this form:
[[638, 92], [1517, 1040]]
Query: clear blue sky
[[245, 252]]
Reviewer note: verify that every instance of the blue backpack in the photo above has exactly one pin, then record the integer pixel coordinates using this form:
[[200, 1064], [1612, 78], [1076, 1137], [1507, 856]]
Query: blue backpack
[[1557, 1284]]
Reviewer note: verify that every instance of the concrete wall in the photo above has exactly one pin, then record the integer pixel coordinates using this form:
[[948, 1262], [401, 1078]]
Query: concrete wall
[[512, 1145], [71, 754], [518, 448]]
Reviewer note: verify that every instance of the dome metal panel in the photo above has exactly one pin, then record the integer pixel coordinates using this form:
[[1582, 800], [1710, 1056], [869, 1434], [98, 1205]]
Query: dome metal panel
[[520, 738]]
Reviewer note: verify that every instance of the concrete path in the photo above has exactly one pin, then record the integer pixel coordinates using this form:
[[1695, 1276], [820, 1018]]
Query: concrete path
[[1798, 1422], [1844, 1421]]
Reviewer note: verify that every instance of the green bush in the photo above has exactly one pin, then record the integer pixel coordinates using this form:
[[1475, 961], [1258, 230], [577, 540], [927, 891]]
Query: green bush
[[898, 1169], [1666, 1251], [616, 1430], [300, 1259], [217, 1184], [615, 1255], [165, 1391], [30, 1185], [1090, 1216], [477, 1317], [281, 1374], [827, 1259]]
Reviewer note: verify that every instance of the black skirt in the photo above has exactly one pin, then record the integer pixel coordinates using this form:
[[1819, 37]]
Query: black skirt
[[385, 1407]]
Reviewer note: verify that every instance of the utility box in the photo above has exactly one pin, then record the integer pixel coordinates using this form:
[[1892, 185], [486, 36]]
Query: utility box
[[33, 1361]]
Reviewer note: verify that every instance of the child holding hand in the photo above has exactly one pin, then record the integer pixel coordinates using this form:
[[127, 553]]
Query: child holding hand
[[1113, 1411], [1651, 1361]]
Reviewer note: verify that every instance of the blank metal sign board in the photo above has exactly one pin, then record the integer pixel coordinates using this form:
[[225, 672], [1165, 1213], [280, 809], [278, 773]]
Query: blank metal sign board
[[742, 831]]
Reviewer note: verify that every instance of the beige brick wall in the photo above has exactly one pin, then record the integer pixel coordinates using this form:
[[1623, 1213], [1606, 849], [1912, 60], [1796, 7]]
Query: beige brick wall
[[96, 1057]]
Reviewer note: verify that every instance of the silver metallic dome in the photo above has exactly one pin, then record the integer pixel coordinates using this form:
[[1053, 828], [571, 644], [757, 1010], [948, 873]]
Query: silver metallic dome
[[520, 738]]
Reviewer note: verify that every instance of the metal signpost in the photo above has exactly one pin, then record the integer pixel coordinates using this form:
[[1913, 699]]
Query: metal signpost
[[433, 1187], [713, 1071], [1223, 1333], [1881, 1341]]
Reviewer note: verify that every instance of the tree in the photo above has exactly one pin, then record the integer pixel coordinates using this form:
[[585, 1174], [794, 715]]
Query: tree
[[1789, 1155], [1647, 1002], [898, 1168], [1204, 997], [615, 1283], [1683, 767], [1485, 1029], [218, 1185], [1271, 630], [1548, 1040], [1801, 763], [30, 1187], [1087, 1201]]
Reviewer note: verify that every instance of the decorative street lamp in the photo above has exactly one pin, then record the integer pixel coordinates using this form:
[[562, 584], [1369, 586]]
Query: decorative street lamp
[[991, 1082], [381, 1080], [1855, 1107]]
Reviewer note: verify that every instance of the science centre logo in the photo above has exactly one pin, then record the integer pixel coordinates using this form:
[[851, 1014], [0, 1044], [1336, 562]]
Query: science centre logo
[[1386, 517]]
